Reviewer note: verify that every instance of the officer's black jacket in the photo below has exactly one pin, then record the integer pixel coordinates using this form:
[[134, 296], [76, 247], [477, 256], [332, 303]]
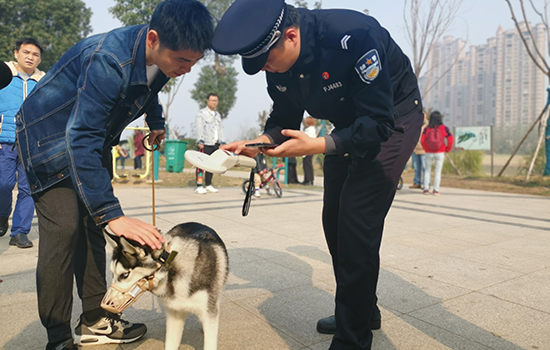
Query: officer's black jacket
[[331, 81]]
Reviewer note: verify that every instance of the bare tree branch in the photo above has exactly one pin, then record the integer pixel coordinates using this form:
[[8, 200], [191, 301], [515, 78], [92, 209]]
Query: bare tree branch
[[520, 32]]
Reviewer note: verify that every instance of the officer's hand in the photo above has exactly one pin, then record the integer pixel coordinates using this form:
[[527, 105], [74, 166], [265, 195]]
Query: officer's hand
[[238, 147], [156, 137], [299, 145], [137, 230]]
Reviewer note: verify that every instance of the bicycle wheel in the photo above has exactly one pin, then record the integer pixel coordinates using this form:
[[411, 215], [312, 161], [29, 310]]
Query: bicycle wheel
[[400, 183], [246, 183], [277, 188]]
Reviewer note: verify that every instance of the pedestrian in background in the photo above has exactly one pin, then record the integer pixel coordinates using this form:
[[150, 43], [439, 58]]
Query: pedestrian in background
[[28, 55], [419, 161], [436, 140], [139, 150], [209, 134]]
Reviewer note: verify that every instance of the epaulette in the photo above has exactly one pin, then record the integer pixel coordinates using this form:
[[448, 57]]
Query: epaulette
[[342, 41]]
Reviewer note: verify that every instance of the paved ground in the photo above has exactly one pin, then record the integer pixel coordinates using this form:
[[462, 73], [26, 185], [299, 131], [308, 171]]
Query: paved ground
[[467, 270]]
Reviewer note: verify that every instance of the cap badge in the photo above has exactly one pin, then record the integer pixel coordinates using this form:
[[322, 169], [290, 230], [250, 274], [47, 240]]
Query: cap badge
[[325, 75]]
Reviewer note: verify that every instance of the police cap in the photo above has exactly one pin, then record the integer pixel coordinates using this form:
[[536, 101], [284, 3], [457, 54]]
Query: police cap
[[5, 75], [250, 28]]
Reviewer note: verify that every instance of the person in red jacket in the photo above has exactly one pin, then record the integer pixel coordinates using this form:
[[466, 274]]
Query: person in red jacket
[[436, 140]]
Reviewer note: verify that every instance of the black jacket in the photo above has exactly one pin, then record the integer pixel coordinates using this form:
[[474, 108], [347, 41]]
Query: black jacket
[[351, 72]]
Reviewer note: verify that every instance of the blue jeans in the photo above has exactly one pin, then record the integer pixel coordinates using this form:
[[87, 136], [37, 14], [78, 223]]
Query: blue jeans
[[12, 172], [418, 162], [438, 159]]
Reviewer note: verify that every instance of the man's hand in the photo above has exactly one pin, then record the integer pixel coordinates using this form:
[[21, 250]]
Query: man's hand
[[156, 137], [137, 230], [299, 145], [238, 147]]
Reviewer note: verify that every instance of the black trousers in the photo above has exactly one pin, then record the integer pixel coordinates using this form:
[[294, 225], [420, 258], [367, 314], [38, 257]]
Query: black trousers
[[70, 245], [308, 169], [358, 195], [207, 176]]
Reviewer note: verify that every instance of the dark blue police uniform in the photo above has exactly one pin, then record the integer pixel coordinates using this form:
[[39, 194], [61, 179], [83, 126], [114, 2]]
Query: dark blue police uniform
[[352, 73]]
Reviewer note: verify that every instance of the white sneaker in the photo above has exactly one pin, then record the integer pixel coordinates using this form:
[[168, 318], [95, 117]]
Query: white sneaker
[[257, 194], [211, 188], [200, 190]]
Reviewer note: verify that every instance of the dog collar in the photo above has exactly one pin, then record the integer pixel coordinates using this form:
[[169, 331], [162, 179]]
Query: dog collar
[[167, 256]]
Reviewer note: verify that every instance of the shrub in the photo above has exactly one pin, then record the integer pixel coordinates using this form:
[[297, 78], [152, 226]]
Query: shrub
[[467, 162]]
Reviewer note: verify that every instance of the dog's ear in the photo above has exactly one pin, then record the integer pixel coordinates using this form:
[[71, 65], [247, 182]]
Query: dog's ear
[[110, 237], [131, 249]]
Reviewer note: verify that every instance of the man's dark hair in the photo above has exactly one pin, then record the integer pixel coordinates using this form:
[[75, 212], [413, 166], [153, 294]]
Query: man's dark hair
[[292, 17], [292, 20], [436, 119], [211, 94], [183, 25], [25, 41]]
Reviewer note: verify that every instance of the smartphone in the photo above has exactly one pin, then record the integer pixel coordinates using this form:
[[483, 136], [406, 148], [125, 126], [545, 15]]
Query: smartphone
[[262, 145]]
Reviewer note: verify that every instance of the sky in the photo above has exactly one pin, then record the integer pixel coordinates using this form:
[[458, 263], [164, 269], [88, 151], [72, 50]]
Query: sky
[[477, 21]]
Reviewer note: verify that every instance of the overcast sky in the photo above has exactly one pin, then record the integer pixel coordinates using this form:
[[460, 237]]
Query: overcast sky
[[477, 21]]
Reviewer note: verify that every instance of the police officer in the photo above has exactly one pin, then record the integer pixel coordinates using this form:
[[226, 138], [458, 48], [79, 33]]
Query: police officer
[[339, 65]]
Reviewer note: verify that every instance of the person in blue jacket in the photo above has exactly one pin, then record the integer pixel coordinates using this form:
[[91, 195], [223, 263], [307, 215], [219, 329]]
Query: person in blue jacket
[[65, 131], [28, 55], [339, 65]]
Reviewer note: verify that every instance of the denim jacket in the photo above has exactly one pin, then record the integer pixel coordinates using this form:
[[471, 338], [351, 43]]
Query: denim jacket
[[78, 110]]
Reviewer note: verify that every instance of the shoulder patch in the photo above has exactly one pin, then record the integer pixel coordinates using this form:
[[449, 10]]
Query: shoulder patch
[[368, 66]]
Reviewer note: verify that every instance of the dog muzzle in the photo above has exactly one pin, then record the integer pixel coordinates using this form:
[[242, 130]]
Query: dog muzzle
[[117, 300]]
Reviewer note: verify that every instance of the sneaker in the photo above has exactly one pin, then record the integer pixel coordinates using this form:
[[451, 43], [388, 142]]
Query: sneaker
[[257, 194], [426, 192], [108, 330], [415, 186], [20, 240], [200, 190], [436, 193], [211, 188]]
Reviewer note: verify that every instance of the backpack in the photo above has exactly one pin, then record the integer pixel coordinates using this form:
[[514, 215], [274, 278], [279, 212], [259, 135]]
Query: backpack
[[434, 139]]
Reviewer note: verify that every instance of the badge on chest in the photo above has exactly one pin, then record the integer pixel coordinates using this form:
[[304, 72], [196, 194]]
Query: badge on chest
[[368, 66]]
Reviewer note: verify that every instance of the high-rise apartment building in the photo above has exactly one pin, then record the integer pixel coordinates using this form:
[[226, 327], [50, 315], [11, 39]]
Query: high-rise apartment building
[[495, 83]]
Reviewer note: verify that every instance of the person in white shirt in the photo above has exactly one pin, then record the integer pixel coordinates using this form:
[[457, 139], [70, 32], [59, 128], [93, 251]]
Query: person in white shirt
[[209, 134]]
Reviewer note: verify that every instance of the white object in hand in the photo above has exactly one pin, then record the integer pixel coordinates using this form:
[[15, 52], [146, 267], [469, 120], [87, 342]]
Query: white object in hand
[[218, 162]]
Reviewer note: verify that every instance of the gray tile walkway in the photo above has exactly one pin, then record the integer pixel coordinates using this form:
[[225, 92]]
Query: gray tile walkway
[[466, 270]]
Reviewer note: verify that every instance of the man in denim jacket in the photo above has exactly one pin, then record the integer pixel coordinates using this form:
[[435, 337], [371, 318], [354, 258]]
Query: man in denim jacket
[[66, 129]]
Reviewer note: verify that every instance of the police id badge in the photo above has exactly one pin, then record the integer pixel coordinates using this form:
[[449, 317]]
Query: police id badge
[[368, 67]]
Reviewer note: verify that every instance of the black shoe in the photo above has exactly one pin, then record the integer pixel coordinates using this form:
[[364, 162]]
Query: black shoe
[[21, 241], [4, 225], [327, 325], [66, 345]]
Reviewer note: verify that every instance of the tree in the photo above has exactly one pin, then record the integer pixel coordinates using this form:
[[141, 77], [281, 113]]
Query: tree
[[57, 24], [425, 24], [538, 56]]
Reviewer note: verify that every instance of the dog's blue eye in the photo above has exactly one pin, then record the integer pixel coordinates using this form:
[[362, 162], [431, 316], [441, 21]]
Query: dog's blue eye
[[124, 275]]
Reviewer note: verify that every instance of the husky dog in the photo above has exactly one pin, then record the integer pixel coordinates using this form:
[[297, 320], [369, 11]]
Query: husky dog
[[190, 280]]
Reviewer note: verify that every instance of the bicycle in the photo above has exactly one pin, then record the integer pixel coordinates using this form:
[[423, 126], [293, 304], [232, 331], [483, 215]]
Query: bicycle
[[271, 178]]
